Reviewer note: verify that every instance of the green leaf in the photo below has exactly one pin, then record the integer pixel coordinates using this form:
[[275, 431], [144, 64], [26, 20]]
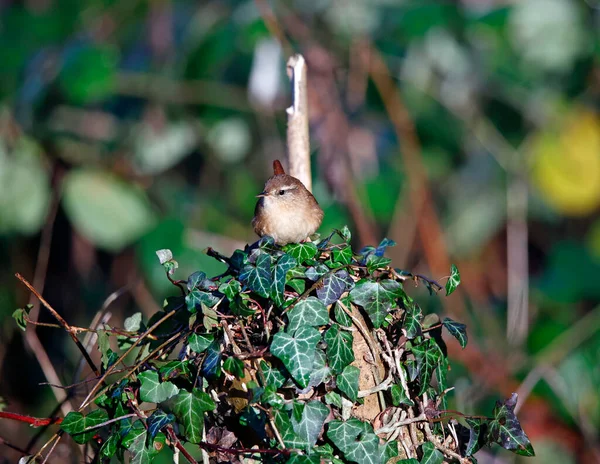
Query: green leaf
[[154, 391], [373, 298], [75, 423], [307, 312], [157, 420], [356, 440], [345, 234], [340, 315], [430, 454], [399, 396], [457, 330], [375, 262], [284, 264], [19, 316], [298, 285], [314, 273], [308, 428], [339, 348], [409, 461], [334, 286], [234, 366], [196, 298], [412, 322], [272, 376], [297, 352], [189, 409], [141, 448], [428, 356], [334, 399], [302, 459], [347, 382], [89, 75], [109, 212], [109, 447], [321, 372], [342, 255], [257, 276], [25, 191], [231, 289], [453, 280], [133, 323], [173, 369], [286, 430], [475, 437], [199, 280], [107, 355], [441, 374], [200, 342], [301, 251], [506, 430]]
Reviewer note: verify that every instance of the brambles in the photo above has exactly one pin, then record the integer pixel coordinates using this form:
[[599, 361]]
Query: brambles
[[303, 354]]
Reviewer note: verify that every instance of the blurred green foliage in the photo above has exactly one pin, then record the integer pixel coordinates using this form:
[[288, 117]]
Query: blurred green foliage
[[152, 125]]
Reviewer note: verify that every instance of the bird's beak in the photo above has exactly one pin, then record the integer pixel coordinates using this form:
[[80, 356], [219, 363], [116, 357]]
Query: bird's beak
[[261, 195]]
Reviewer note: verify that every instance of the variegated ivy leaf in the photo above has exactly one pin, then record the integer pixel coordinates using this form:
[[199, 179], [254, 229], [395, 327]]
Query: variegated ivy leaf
[[453, 280], [257, 276], [339, 348], [412, 322], [428, 355], [334, 286], [301, 251], [284, 264], [153, 390], [308, 426], [309, 312], [347, 382], [189, 409], [506, 430], [374, 298], [457, 330], [357, 442], [297, 352]]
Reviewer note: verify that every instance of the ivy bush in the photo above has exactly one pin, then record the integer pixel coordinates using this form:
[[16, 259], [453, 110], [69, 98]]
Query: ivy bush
[[266, 363]]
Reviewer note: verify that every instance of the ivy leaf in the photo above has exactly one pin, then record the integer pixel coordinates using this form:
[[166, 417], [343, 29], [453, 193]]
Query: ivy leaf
[[200, 342], [373, 298], [308, 428], [173, 369], [272, 376], [286, 429], [314, 273], [321, 372], [298, 285], [399, 396], [340, 315], [154, 391], [199, 280], [157, 420], [211, 365], [297, 352], [339, 348], [430, 454], [342, 255], [412, 322], [301, 251], [107, 356], [189, 409], [409, 461], [506, 430], [136, 441], [334, 287], [234, 366], [230, 289], [347, 382], [257, 276], [476, 426], [345, 234], [75, 423], [309, 312], [196, 298], [302, 459], [109, 447], [284, 264], [356, 440], [453, 280], [457, 330], [375, 262], [428, 357]]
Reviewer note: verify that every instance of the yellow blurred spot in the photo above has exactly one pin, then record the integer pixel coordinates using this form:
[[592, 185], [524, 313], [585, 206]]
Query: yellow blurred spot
[[566, 164]]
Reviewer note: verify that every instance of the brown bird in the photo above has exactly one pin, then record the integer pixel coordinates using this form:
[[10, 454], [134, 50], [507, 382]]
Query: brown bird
[[286, 210]]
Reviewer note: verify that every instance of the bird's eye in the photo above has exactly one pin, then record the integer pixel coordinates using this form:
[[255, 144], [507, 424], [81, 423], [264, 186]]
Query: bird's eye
[[281, 192]]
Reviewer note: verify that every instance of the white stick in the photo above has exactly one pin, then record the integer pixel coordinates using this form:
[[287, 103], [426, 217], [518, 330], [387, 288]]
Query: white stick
[[297, 130]]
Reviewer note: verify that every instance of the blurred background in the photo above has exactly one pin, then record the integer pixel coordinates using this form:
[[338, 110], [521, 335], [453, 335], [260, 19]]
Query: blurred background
[[467, 131]]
